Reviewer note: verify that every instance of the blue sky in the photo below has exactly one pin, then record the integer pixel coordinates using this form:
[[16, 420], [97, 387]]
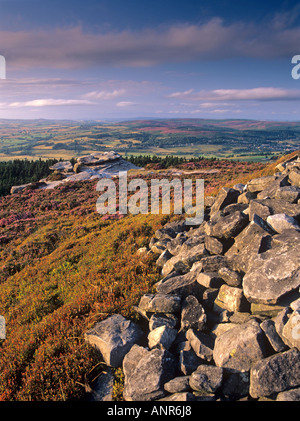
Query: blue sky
[[158, 59]]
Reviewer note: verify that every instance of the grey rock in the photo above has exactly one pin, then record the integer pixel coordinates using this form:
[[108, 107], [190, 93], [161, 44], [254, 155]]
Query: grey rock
[[64, 166], [281, 206], [182, 285], [281, 319], [291, 330], [258, 208], [236, 384], [178, 384], [162, 337], [174, 246], [146, 372], [235, 207], [294, 177], [212, 263], [281, 222], [276, 373], [180, 397], [184, 260], [273, 274], [206, 379], [220, 328], [289, 194], [247, 245], [240, 187], [246, 197], [210, 279], [230, 226], [188, 360], [101, 389], [208, 297], [98, 158], [192, 314], [268, 326], [261, 183], [292, 395], [209, 201], [231, 277], [114, 337], [163, 258], [165, 233], [231, 299], [225, 197], [271, 189], [240, 347], [17, 189], [213, 245], [201, 343], [160, 303], [160, 319]]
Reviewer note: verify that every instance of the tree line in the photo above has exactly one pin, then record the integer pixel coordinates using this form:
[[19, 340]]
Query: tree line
[[164, 162], [22, 171]]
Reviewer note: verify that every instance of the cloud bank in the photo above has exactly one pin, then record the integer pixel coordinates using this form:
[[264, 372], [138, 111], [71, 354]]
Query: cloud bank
[[214, 40]]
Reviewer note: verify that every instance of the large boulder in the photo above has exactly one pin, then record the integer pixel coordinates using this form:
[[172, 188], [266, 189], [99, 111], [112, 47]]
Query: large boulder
[[240, 347], [230, 225], [146, 372], [273, 274], [114, 337], [248, 244]]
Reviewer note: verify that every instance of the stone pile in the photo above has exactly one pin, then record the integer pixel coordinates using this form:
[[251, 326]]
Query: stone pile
[[224, 321]]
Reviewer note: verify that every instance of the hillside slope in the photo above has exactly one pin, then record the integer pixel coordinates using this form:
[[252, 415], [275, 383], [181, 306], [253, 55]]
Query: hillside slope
[[62, 268]]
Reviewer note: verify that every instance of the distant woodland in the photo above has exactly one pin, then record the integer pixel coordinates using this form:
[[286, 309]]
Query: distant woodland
[[22, 171]]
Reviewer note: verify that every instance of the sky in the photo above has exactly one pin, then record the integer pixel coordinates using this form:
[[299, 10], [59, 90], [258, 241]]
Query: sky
[[117, 59]]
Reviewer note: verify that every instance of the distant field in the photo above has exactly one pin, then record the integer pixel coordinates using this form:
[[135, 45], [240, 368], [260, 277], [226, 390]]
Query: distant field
[[235, 139]]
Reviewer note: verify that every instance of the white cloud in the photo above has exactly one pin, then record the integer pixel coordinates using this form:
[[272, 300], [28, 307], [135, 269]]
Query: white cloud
[[125, 104], [50, 102], [257, 94], [106, 94]]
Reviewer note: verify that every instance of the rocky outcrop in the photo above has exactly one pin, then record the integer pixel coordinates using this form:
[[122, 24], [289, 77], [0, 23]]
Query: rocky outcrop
[[89, 167], [224, 321]]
